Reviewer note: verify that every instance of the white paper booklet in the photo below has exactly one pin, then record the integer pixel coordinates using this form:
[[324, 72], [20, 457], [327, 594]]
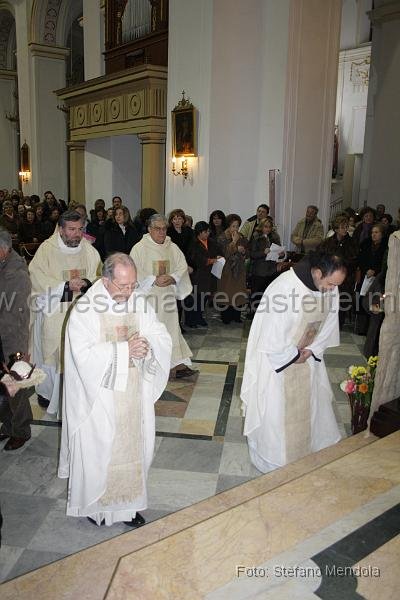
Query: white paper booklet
[[217, 267], [274, 253]]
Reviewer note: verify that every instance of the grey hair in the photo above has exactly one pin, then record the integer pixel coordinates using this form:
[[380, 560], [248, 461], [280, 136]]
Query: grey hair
[[5, 239], [313, 207], [118, 258], [157, 217], [69, 215]]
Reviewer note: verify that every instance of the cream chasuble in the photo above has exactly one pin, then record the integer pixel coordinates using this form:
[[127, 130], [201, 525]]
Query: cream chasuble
[[152, 259], [53, 265], [108, 427], [288, 407]]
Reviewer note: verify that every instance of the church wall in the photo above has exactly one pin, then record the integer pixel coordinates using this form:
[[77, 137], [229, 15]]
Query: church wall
[[113, 168], [93, 20], [310, 102], [8, 137], [272, 109], [48, 74], [126, 157], [384, 110], [355, 25], [351, 102], [233, 66], [236, 86], [189, 69], [98, 171]]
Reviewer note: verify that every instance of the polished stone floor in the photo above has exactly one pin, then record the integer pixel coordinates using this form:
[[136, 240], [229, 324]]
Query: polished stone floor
[[200, 451]]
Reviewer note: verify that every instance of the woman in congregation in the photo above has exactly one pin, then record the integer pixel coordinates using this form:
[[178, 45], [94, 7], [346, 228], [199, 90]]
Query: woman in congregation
[[179, 233], [217, 224], [29, 231], [363, 229], [370, 263], [341, 244], [232, 291], [120, 234], [202, 255], [262, 270], [96, 227]]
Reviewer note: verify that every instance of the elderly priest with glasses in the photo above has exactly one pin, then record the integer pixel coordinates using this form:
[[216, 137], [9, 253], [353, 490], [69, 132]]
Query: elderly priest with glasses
[[117, 360]]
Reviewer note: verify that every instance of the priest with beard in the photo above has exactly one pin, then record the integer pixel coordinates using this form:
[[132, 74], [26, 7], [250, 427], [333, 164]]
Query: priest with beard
[[63, 267], [117, 358], [163, 275], [286, 394]]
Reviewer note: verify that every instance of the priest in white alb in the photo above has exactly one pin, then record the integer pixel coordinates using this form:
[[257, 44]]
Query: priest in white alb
[[117, 358], [63, 267], [286, 394], [163, 275]]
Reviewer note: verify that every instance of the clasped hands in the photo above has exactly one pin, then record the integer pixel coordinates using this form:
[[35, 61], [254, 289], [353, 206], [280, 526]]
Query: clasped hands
[[138, 346], [164, 280], [304, 355], [76, 284]]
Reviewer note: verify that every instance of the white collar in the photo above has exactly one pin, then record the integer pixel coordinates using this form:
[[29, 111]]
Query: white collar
[[66, 249]]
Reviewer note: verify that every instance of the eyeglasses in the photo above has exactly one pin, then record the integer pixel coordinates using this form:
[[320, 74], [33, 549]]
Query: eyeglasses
[[128, 287], [160, 228]]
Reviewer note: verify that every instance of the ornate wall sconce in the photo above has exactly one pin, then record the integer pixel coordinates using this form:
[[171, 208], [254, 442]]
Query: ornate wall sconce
[[184, 170], [25, 171]]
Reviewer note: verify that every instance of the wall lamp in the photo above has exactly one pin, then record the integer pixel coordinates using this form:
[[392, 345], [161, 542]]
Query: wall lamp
[[25, 171], [184, 170]]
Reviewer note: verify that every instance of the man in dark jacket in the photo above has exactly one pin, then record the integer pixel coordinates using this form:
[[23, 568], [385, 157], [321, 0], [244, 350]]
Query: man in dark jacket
[[15, 410]]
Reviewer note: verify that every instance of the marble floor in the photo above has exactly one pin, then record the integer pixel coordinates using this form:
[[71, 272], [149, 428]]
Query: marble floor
[[200, 451]]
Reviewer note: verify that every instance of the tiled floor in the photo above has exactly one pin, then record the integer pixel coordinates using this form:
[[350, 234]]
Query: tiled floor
[[200, 451]]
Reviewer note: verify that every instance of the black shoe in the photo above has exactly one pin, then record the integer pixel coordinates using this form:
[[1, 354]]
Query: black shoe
[[186, 372], [14, 443], [203, 323], [95, 523], [138, 521], [43, 402]]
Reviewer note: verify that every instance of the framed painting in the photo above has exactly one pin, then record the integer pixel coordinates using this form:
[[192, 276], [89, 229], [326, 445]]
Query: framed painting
[[184, 142]]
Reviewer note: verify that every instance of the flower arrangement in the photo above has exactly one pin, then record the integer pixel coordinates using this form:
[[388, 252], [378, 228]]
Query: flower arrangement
[[359, 387]]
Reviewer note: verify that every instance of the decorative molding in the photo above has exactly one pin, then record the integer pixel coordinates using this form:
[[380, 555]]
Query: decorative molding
[[7, 74], [47, 51], [384, 13], [132, 102], [359, 53], [359, 74], [50, 21], [152, 138]]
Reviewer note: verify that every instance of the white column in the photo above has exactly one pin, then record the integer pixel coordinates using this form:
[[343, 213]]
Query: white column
[[8, 131], [50, 132], [380, 179], [93, 32], [309, 110], [25, 95]]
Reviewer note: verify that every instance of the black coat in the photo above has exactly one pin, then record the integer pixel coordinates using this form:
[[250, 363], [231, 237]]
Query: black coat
[[197, 259], [347, 249], [371, 257], [96, 229], [259, 267], [183, 240], [116, 241]]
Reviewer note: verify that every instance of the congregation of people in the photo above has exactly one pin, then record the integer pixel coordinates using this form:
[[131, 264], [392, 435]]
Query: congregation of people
[[173, 265], [361, 239]]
